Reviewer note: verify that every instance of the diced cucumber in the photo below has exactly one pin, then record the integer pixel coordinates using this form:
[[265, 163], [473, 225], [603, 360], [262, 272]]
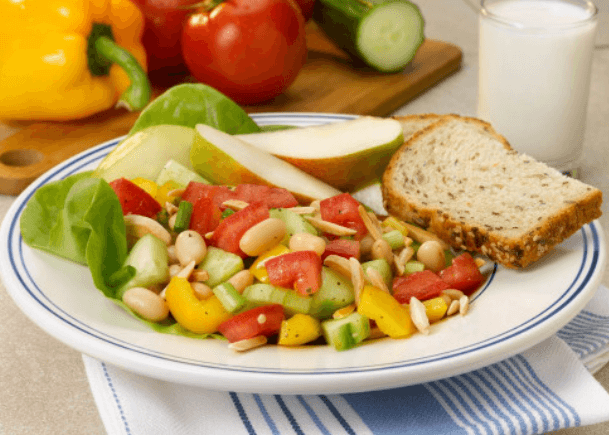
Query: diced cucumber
[[347, 332], [230, 298], [335, 292], [381, 267], [220, 265], [150, 260], [413, 266], [294, 223], [264, 294], [297, 304], [385, 35], [174, 171]]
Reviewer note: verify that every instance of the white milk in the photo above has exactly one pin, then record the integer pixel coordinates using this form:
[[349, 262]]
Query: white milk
[[534, 75]]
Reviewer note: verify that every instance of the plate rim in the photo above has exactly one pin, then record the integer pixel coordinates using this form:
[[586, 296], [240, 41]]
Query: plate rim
[[514, 345]]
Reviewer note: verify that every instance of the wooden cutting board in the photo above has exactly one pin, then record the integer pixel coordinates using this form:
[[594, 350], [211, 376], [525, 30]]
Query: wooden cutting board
[[329, 83]]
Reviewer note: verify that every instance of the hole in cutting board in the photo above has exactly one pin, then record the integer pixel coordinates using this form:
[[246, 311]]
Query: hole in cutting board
[[24, 157]]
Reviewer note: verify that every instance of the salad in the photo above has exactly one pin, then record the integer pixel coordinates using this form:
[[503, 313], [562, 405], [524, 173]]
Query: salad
[[249, 263]]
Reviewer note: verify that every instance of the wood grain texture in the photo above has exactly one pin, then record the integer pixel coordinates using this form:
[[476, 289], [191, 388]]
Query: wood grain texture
[[330, 82]]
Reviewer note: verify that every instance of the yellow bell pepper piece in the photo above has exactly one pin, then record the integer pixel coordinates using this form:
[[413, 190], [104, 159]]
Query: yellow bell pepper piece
[[68, 59], [299, 329], [257, 268], [149, 186], [390, 316], [435, 308], [201, 317], [162, 194]]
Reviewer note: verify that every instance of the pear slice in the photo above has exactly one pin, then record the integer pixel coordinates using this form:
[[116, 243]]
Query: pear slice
[[146, 152], [347, 155], [224, 159]]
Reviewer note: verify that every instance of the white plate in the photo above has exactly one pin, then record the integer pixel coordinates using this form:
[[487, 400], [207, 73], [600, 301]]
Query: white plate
[[513, 311]]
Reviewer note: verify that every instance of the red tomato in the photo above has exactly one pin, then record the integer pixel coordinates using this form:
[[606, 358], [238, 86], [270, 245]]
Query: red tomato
[[306, 7], [422, 285], [463, 274], [299, 269], [196, 190], [230, 230], [250, 50], [273, 197], [205, 216], [134, 199], [265, 320], [164, 20], [342, 247], [343, 210]]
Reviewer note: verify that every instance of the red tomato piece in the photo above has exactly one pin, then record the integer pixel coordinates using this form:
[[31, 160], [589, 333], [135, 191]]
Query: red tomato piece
[[306, 7], [134, 199], [463, 274], [273, 197], [299, 269], [343, 210], [196, 190], [422, 285], [230, 230], [343, 248], [205, 216], [265, 320], [250, 50]]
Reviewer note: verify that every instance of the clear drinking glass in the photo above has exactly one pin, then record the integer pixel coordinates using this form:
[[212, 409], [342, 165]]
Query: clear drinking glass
[[534, 74]]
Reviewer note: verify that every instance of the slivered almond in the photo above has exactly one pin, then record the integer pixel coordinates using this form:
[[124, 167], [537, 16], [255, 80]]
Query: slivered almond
[[375, 278], [338, 264], [138, 226], [452, 293], [303, 210], [419, 315], [375, 231], [171, 208], [421, 235], [248, 344], [344, 311], [184, 273], [235, 204], [357, 277], [453, 307], [329, 227], [199, 275], [463, 305], [176, 192]]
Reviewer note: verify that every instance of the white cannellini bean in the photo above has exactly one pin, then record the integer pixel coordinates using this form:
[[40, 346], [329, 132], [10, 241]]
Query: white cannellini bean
[[190, 246], [171, 253], [307, 242], [146, 303], [262, 236], [431, 254]]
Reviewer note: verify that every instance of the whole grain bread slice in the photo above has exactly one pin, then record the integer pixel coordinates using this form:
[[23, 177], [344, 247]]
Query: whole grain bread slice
[[462, 180]]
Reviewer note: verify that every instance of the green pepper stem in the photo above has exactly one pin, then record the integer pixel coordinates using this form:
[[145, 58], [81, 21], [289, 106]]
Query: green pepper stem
[[137, 95]]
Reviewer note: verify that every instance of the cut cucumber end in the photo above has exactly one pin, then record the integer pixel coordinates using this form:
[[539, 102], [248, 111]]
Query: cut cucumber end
[[389, 35]]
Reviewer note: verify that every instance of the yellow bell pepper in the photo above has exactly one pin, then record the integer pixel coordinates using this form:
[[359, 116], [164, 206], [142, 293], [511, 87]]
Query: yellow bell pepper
[[201, 317], [390, 316], [299, 329], [68, 59], [435, 309], [162, 193], [150, 187]]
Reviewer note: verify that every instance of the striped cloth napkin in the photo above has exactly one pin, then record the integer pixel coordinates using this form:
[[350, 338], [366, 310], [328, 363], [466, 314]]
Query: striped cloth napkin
[[543, 389]]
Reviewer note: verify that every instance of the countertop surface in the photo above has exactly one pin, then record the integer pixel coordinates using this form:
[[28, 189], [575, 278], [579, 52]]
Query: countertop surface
[[44, 389]]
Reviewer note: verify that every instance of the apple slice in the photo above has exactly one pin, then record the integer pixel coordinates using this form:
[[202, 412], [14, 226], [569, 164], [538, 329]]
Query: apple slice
[[146, 152], [224, 159], [347, 155]]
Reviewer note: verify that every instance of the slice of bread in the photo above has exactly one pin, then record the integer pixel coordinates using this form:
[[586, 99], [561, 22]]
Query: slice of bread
[[412, 124], [461, 180]]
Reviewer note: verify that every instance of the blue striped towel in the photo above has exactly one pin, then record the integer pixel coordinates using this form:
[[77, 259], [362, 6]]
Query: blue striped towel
[[543, 389]]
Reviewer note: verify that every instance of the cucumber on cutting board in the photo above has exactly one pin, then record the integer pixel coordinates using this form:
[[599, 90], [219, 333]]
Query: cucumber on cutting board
[[384, 34]]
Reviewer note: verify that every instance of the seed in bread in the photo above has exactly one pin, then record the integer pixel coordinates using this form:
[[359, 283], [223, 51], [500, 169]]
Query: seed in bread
[[464, 182]]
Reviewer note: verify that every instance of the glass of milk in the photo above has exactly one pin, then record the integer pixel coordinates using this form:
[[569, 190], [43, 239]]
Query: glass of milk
[[534, 75]]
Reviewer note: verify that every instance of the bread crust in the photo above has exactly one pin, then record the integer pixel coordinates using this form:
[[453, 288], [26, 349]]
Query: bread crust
[[512, 252]]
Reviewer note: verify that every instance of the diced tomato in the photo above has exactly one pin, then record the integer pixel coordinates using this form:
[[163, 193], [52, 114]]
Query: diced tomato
[[205, 216], [230, 230], [273, 197], [265, 320], [422, 285], [299, 269], [343, 210], [342, 247], [134, 199], [463, 274], [196, 190]]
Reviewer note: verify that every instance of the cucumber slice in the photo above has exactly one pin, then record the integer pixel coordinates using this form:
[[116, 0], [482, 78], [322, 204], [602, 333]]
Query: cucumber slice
[[178, 173], [220, 265], [150, 260], [381, 267], [297, 304], [347, 332], [385, 35], [294, 223], [230, 298], [265, 294], [335, 292]]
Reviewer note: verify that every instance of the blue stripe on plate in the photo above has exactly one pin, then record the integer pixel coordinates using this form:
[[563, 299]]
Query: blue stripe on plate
[[20, 269]]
